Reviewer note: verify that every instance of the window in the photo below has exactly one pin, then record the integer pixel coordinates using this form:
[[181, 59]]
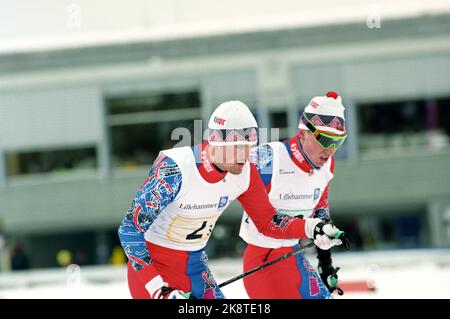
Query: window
[[404, 124], [87, 247], [279, 120], [404, 229], [157, 102], [139, 144], [443, 116], [142, 125], [391, 118], [32, 162]]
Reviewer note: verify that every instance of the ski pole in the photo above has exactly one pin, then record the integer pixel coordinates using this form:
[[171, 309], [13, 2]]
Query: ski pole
[[267, 264]]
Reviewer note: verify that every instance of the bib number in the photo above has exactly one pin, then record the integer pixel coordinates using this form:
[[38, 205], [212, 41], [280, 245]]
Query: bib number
[[195, 234], [191, 230]]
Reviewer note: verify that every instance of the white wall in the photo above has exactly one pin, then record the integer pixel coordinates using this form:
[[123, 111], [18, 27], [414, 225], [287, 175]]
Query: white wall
[[380, 78], [32, 119]]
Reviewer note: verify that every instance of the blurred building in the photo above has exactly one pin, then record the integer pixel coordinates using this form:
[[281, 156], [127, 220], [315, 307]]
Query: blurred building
[[81, 121]]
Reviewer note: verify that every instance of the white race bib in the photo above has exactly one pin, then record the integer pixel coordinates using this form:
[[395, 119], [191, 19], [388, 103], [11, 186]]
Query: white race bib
[[191, 230]]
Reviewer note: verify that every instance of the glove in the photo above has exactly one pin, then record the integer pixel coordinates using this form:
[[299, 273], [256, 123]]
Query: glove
[[170, 293], [329, 276], [325, 234], [159, 289]]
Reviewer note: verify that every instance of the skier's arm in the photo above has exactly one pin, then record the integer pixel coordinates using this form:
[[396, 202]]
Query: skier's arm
[[325, 263], [327, 272], [255, 202], [160, 188], [322, 211]]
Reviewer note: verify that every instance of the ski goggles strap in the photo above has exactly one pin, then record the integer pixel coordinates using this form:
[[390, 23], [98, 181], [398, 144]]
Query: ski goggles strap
[[324, 139], [225, 137]]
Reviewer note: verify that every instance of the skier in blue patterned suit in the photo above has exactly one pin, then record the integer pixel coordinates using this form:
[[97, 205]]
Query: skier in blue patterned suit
[[174, 212]]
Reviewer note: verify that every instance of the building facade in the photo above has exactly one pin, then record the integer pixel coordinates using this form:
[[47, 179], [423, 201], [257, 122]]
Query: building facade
[[80, 127]]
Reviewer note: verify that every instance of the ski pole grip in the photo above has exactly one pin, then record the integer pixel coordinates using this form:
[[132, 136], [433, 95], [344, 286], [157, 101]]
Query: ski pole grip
[[343, 237]]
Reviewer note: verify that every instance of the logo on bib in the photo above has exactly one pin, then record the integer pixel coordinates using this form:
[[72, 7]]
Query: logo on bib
[[223, 201], [292, 196], [316, 193], [284, 172]]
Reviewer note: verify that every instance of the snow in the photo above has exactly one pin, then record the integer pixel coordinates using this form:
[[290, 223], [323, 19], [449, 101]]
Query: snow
[[395, 274]]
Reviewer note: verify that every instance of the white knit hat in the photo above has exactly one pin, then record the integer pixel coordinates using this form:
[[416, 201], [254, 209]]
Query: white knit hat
[[326, 113], [232, 123]]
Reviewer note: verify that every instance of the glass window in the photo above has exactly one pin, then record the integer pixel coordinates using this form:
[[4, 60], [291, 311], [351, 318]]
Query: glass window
[[279, 120], [136, 139], [139, 144], [391, 118], [443, 116], [156, 102], [414, 124], [32, 162]]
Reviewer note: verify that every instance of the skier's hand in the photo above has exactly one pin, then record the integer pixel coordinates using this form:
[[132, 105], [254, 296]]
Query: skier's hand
[[170, 293], [159, 289], [329, 276], [325, 234]]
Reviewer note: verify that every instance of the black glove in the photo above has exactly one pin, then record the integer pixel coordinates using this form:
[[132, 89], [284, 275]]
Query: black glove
[[170, 293], [326, 235], [329, 276]]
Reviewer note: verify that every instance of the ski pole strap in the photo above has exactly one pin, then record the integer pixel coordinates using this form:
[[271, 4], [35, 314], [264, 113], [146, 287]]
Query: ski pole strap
[[267, 264], [332, 281], [344, 238]]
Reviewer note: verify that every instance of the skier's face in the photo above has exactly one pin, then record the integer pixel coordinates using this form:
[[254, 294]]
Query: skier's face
[[316, 153], [231, 158]]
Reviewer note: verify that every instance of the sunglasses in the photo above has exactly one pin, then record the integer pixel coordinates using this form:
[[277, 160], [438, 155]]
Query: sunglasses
[[326, 140]]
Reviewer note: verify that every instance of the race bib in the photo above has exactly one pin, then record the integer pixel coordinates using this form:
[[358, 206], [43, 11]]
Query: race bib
[[191, 230]]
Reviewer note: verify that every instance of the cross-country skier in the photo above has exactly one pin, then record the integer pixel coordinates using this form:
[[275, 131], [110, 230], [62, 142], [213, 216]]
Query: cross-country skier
[[296, 174], [174, 212]]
